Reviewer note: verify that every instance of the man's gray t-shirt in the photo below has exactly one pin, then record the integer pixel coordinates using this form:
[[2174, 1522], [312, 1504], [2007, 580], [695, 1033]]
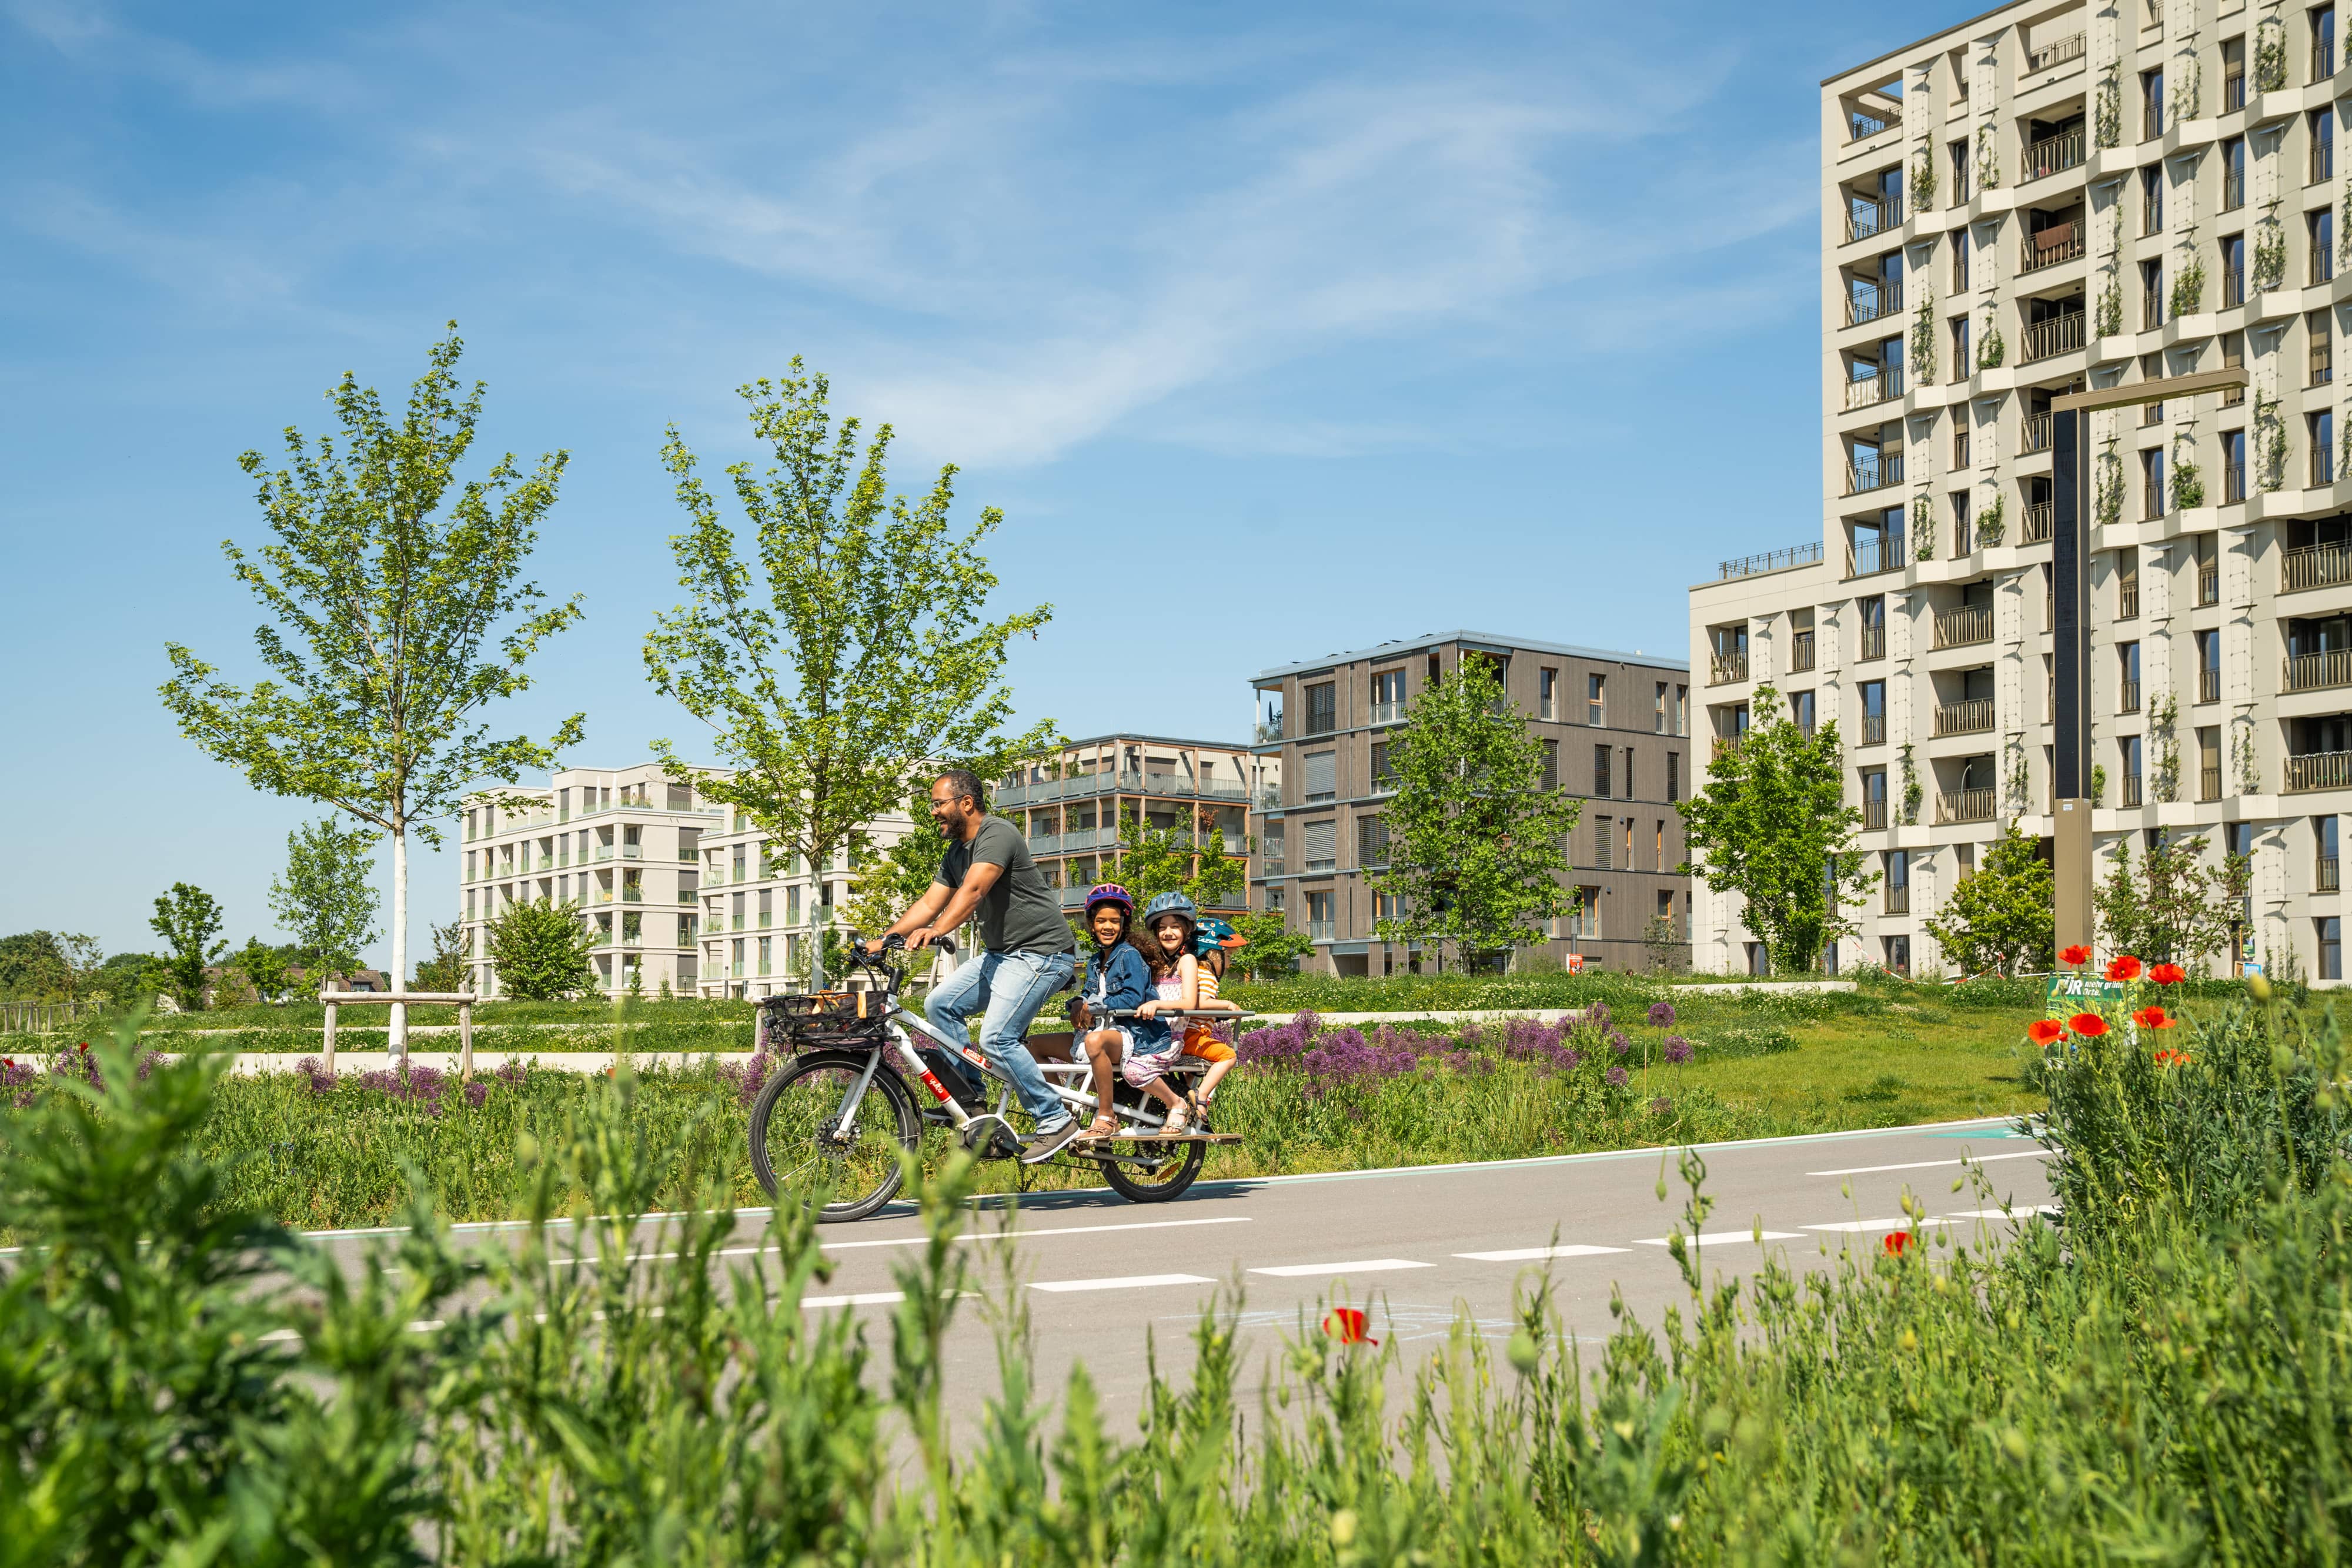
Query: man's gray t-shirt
[[1018, 913]]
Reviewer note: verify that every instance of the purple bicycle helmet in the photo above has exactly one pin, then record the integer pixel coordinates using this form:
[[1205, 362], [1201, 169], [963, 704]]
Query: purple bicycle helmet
[[1110, 893]]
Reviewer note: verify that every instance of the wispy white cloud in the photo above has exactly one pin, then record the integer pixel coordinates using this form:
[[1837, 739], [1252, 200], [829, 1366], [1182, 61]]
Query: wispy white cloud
[[92, 36]]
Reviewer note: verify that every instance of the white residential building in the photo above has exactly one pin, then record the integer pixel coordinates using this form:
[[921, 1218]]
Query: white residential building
[[2046, 198]]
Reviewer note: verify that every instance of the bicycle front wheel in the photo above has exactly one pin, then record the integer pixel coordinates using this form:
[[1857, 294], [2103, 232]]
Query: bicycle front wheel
[[806, 1138]]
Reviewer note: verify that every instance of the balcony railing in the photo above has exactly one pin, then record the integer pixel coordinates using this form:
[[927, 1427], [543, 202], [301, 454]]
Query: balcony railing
[[1269, 733], [1864, 306], [2234, 483], [2051, 155], [2208, 685], [2325, 876], [2151, 311], [1898, 898], [2127, 601], [2034, 434], [2323, 363], [1388, 713], [1866, 556], [1874, 729], [1874, 814], [1963, 625], [1866, 219], [1966, 806], [2233, 92], [2058, 335], [1859, 124], [2057, 52], [2135, 789], [2059, 242], [1769, 560], [2319, 770], [1721, 746], [1874, 641], [2129, 700], [2036, 527], [1800, 651], [1722, 669], [2208, 585], [2318, 672], [1873, 473], [2234, 286], [1322, 930], [1971, 715], [1882, 387], [2315, 566], [2322, 468], [2209, 783]]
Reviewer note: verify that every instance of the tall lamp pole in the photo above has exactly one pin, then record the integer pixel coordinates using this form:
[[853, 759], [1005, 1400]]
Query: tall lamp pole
[[2070, 586]]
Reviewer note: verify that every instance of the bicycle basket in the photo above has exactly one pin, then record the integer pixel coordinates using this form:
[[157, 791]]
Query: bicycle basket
[[824, 1018]]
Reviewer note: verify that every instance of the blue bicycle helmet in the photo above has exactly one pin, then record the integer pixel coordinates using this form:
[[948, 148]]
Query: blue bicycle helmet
[[1213, 933], [1171, 904], [1110, 893]]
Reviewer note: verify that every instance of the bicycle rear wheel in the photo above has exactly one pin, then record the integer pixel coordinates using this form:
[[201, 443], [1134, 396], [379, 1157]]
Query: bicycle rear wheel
[[1174, 1168], [801, 1142]]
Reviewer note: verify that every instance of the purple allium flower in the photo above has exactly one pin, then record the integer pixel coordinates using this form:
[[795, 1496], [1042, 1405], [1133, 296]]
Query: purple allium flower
[[475, 1092], [1597, 1014], [1662, 1106], [1678, 1050], [1619, 1043], [1616, 1078], [1661, 1015]]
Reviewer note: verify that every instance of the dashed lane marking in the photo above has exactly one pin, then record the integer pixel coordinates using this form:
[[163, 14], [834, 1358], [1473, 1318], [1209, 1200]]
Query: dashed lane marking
[[1931, 1165], [1030, 1235], [1716, 1238], [1363, 1266], [861, 1299], [1131, 1282], [1535, 1254], [2019, 1211], [1895, 1224]]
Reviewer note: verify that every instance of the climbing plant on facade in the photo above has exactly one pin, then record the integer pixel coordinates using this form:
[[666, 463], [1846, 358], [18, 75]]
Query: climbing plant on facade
[[1993, 349], [2188, 479], [2110, 501], [2270, 53], [1923, 528], [1922, 180], [2269, 443], [2107, 116], [1988, 158], [2241, 756], [1912, 792], [2270, 252], [2163, 727], [1922, 341], [2189, 288], [1991, 521]]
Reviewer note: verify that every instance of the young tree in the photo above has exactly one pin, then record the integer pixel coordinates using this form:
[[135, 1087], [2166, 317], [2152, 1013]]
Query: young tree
[[1772, 825], [325, 898], [540, 951], [834, 683], [2002, 919], [2178, 908], [447, 969], [1476, 845], [263, 966], [399, 619], [189, 921], [32, 965], [1269, 946], [1153, 861]]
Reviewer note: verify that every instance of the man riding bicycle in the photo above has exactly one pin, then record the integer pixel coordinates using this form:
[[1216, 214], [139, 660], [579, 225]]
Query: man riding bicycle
[[1028, 952]]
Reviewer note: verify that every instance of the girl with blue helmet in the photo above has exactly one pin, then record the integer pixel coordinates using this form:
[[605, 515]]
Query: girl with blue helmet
[[1168, 924]]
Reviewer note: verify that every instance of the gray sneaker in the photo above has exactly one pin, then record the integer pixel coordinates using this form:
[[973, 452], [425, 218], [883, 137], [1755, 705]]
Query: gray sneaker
[[1048, 1143]]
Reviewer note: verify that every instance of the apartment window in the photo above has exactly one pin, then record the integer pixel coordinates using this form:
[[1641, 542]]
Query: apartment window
[[1321, 774], [1550, 779], [1963, 166], [1874, 797], [1658, 717], [1897, 952], [1800, 712], [2233, 73], [2233, 269], [1897, 882], [1682, 710], [1322, 843], [1371, 840], [1594, 687], [2233, 466], [1801, 642], [2208, 763], [1584, 914], [1626, 859], [1959, 438], [2151, 369], [2323, 43], [1963, 363], [2234, 358], [2322, 122], [1627, 789], [2151, 199], [1387, 697], [2209, 666], [767, 954], [2320, 429], [1322, 709], [1963, 538], [1547, 693], [1872, 618], [2135, 790], [2208, 570], [1383, 779], [2151, 294], [2151, 482], [2151, 105], [1874, 713], [1673, 776], [2233, 173], [1601, 835], [2331, 947], [767, 907], [1600, 769], [1319, 924], [1959, 240], [2127, 675], [2320, 334], [2319, 229]]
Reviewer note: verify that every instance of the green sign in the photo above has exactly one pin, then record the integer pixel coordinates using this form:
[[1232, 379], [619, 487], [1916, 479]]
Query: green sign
[[2072, 994]]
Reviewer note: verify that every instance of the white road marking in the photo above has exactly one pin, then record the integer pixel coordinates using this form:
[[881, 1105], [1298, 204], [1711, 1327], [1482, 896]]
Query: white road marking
[[1364, 1266], [1931, 1165], [1028, 1235], [1534, 1254], [1131, 1282], [1864, 1224], [2018, 1212], [1712, 1237], [862, 1299]]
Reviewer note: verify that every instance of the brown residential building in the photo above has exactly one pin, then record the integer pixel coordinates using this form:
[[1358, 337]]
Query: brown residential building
[[1070, 802], [1617, 727]]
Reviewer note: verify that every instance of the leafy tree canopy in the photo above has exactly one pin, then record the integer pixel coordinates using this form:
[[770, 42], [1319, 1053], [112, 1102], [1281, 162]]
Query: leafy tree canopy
[[326, 897], [2002, 920], [540, 951], [2177, 907], [447, 969], [188, 919]]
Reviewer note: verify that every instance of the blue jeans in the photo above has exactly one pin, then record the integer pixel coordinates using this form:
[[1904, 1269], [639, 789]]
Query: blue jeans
[[1009, 989]]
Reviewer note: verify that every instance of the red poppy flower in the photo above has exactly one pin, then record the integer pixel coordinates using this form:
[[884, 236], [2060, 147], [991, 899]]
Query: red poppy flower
[[2167, 974], [2123, 966], [2045, 1031], [84, 1046], [1896, 1241], [2153, 1018], [1348, 1326], [2172, 1059], [2088, 1025], [2078, 955]]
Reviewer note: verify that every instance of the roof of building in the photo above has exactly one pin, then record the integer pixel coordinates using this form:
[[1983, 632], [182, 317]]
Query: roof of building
[[1938, 33], [1153, 740], [1476, 640]]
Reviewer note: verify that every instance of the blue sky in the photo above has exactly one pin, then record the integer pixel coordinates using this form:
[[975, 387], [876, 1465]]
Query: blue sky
[[1274, 330]]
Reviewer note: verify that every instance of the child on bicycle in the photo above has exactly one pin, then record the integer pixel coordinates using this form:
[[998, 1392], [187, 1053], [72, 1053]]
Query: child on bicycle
[[1117, 979], [1213, 944], [1168, 922]]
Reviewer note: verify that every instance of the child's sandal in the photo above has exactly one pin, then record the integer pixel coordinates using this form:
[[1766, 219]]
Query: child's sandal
[[1175, 1122], [1101, 1127]]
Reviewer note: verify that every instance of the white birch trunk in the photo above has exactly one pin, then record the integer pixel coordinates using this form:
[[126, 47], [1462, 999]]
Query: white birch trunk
[[399, 1029]]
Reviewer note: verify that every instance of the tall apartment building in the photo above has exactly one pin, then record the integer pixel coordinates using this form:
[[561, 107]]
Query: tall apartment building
[[2046, 198], [677, 888], [1071, 803], [1615, 727]]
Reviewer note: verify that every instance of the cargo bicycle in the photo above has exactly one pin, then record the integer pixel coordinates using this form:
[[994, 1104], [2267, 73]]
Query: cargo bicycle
[[838, 1112]]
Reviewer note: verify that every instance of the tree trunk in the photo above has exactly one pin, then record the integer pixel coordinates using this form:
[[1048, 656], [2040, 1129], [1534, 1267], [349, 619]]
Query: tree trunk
[[399, 1028], [816, 938]]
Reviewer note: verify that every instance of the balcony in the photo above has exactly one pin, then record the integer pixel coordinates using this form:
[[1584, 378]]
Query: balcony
[[1043, 843], [2035, 528], [1769, 560], [1971, 715], [2319, 770], [1722, 669], [1966, 806], [1869, 557], [2318, 672], [2059, 242], [1801, 652], [2057, 52], [2315, 566], [2058, 335], [1865, 220], [2129, 700], [1883, 386], [1322, 930], [2208, 784], [2034, 432], [1721, 746], [1874, 729], [1866, 474], [1877, 303], [1964, 626], [1874, 815], [1898, 898], [1267, 734], [2135, 790]]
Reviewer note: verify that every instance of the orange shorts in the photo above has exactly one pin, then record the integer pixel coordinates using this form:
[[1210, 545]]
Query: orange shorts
[[1199, 1042]]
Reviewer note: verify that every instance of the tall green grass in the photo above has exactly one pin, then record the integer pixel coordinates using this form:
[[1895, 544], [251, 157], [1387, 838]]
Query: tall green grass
[[2163, 1380]]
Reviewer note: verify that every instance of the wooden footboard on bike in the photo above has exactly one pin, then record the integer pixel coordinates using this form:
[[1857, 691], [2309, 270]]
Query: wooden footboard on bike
[[1095, 1145]]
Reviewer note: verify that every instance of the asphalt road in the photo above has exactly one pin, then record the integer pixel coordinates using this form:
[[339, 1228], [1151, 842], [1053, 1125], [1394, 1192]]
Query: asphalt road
[[1415, 1247]]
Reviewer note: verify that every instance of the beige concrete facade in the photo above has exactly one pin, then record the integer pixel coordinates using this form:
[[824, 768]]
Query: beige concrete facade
[[2044, 198]]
